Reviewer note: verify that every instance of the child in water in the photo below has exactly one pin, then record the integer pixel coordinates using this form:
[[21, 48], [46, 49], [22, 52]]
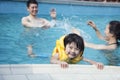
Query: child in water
[[53, 13], [69, 50]]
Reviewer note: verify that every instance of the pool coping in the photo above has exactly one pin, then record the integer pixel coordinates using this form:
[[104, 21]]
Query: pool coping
[[76, 2], [54, 68], [55, 72]]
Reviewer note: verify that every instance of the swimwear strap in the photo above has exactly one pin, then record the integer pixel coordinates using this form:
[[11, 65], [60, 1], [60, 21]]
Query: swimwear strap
[[112, 43]]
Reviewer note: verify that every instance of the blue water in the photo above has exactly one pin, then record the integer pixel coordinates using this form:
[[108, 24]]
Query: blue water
[[14, 38]]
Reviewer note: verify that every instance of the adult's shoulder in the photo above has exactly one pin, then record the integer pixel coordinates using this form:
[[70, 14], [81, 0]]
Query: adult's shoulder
[[25, 21], [25, 18]]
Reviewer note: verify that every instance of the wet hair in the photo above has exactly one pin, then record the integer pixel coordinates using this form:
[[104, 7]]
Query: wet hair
[[53, 10], [31, 2], [78, 40], [115, 29]]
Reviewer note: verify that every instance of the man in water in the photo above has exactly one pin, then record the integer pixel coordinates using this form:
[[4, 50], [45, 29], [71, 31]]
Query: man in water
[[32, 20]]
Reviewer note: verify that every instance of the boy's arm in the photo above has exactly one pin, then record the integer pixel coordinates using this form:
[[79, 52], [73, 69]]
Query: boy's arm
[[97, 64], [55, 60]]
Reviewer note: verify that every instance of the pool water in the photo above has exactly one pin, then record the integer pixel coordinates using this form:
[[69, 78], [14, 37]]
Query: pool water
[[14, 39]]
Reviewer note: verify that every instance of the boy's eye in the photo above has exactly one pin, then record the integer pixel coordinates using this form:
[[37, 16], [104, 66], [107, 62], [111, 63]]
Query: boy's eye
[[77, 48], [70, 47], [36, 7], [32, 7]]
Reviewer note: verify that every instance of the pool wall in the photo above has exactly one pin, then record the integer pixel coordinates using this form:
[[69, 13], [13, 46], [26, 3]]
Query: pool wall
[[68, 8]]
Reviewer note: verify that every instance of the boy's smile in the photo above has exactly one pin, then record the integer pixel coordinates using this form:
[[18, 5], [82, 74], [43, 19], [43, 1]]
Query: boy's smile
[[71, 50]]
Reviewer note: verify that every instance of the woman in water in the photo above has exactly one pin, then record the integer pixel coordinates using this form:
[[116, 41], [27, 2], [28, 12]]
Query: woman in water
[[112, 36]]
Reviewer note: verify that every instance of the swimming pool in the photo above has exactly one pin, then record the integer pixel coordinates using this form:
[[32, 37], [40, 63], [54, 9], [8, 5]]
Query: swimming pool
[[14, 37]]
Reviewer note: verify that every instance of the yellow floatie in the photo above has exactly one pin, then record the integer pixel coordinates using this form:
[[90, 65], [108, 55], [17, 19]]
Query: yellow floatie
[[60, 49]]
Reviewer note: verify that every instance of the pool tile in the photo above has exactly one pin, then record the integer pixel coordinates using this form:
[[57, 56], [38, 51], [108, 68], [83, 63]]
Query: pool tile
[[15, 77], [55, 72], [5, 69], [116, 69], [102, 77], [116, 76], [57, 69], [71, 76], [1, 77], [39, 77], [20, 65], [21, 69]]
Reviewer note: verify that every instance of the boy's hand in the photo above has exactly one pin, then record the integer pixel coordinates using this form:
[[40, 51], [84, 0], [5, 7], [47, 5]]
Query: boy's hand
[[99, 65], [64, 64]]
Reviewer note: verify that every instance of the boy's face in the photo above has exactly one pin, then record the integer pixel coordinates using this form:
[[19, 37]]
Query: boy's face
[[33, 9], [71, 50], [53, 14]]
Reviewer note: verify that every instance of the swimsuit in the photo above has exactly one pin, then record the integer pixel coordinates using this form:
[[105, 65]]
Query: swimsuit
[[112, 43], [60, 49]]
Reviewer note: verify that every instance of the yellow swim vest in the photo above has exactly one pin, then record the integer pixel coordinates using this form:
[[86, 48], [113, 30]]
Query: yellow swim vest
[[60, 49]]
